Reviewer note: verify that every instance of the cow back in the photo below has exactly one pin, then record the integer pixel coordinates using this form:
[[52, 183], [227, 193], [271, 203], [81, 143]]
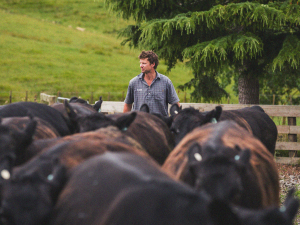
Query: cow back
[[45, 112], [226, 139]]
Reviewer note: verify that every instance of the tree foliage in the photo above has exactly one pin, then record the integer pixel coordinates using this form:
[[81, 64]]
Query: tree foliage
[[251, 39]]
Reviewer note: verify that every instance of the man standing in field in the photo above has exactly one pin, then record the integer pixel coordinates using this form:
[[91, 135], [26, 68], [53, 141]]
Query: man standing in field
[[150, 87]]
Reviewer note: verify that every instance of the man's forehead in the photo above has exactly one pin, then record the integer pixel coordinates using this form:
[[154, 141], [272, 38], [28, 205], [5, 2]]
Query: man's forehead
[[144, 60]]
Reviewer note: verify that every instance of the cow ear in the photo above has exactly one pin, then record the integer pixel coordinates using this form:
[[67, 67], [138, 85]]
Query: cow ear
[[145, 108], [125, 121], [221, 213], [98, 104], [27, 134], [243, 159], [213, 116], [70, 111], [218, 112], [175, 109], [194, 154]]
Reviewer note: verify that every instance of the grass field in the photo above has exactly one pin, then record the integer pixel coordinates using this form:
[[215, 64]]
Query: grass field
[[41, 50]]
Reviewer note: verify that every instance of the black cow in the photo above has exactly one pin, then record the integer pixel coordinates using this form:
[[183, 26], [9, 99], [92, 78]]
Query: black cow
[[30, 195], [116, 128], [17, 134], [89, 122], [167, 119], [96, 106], [229, 163], [34, 109], [13, 143], [152, 133], [124, 188], [43, 129], [253, 119], [149, 130], [81, 106]]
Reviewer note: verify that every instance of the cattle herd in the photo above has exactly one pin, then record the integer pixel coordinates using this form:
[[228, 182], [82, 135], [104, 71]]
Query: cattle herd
[[71, 164]]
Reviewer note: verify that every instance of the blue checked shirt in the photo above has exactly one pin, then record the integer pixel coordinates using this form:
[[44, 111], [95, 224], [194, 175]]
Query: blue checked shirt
[[156, 96]]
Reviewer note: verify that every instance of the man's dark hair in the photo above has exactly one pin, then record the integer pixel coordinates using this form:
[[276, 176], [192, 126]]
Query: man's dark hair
[[151, 56]]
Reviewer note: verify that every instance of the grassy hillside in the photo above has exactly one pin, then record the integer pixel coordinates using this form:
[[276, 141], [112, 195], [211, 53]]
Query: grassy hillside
[[41, 50]]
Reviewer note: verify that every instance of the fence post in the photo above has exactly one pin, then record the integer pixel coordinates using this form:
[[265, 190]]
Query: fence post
[[10, 96], [26, 96], [123, 96], [92, 98], [292, 137], [108, 97], [184, 100]]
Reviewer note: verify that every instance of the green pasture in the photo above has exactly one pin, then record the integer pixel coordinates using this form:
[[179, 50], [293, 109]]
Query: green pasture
[[41, 50]]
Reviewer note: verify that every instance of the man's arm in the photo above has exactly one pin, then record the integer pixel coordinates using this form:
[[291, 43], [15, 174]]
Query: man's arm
[[127, 107]]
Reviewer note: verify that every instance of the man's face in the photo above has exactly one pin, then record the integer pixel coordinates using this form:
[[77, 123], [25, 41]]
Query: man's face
[[145, 66]]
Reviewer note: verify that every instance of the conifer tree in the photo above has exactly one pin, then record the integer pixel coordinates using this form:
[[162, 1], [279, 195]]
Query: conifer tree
[[252, 42]]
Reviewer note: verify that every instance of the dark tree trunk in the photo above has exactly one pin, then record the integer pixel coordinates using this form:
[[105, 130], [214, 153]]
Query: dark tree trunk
[[248, 90]]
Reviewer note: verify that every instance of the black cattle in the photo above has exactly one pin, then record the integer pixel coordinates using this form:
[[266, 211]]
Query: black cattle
[[89, 122], [229, 163], [152, 133], [80, 106], [29, 196], [34, 109], [149, 130], [167, 119], [43, 129], [253, 119], [115, 129], [13, 143], [17, 134], [96, 106], [124, 188]]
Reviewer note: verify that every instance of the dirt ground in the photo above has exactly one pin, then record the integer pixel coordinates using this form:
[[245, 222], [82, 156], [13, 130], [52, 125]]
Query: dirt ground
[[289, 176]]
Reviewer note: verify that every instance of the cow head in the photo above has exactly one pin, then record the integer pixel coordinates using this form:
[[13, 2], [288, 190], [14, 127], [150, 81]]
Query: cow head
[[224, 213], [185, 120], [84, 123], [13, 143], [219, 174], [29, 196]]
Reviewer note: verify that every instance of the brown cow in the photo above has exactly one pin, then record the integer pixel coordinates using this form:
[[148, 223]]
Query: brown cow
[[229, 163]]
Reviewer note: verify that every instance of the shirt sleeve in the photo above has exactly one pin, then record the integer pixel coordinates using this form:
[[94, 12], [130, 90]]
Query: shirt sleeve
[[172, 95], [129, 96]]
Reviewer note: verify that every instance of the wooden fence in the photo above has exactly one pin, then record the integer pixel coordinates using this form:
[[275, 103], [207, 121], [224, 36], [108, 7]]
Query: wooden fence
[[284, 111]]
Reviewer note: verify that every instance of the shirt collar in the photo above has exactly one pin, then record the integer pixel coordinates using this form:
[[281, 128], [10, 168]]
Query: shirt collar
[[158, 75]]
